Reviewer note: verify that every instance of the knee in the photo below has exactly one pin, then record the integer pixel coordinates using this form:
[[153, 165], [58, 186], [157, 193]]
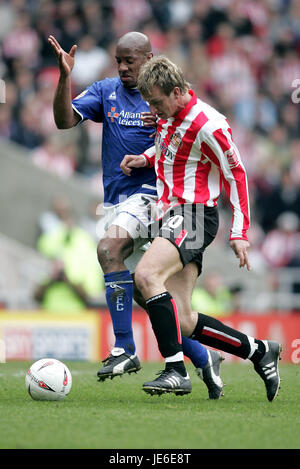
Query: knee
[[112, 251], [144, 279], [105, 252]]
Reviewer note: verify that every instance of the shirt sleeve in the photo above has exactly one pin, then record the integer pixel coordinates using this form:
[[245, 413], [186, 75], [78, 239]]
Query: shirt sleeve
[[149, 154], [88, 104], [219, 147]]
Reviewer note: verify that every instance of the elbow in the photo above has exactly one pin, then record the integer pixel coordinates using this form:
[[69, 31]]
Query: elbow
[[63, 125], [64, 119]]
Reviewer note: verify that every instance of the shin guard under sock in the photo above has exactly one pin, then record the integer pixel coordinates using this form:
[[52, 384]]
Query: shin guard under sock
[[214, 333], [119, 293], [164, 319]]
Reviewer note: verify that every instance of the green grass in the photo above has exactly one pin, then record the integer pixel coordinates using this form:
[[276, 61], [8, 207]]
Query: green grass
[[118, 414]]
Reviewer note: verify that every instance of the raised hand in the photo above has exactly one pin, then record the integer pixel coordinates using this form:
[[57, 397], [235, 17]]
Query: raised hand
[[65, 59]]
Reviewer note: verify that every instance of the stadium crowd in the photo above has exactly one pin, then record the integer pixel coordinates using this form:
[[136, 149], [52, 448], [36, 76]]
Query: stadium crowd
[[242, 56]]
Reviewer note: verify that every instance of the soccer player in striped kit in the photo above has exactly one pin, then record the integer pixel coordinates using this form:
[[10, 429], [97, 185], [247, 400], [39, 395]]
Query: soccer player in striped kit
[[117, 104], [193, 144]]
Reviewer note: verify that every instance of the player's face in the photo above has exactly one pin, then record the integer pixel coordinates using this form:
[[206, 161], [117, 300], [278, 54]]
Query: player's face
[[129, 63], [162, 105]]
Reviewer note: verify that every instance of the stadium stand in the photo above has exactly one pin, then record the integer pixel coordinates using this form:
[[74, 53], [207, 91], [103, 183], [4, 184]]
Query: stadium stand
[[241, 56]]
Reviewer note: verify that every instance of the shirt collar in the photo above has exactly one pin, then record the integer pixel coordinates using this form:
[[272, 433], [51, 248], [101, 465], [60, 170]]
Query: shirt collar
[[183, 112]]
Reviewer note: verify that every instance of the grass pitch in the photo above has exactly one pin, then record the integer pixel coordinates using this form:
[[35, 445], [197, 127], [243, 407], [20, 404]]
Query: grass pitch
[[117, 414]]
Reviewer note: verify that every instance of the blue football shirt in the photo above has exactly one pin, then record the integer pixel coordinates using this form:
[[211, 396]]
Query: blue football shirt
[[119, 109]]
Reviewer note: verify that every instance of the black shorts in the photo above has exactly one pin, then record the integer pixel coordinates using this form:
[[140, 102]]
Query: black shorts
[[191, 228]]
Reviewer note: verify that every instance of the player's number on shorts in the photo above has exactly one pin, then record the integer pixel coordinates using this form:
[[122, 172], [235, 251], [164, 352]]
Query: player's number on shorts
[[174, 222], [145, 200]]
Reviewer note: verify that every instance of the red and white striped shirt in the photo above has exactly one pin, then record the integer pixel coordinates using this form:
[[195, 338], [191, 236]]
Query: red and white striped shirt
[[193, 154]]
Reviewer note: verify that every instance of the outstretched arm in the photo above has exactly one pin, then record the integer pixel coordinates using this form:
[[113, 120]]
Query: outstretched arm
[[64, 115]]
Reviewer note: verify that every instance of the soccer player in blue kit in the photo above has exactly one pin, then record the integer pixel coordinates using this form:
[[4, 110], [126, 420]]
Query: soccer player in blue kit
[[118, 105]]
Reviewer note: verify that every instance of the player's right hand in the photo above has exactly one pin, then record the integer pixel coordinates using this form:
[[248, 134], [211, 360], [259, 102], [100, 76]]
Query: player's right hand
[[240, 248], [65, 60], [150, 120], [132, 161]]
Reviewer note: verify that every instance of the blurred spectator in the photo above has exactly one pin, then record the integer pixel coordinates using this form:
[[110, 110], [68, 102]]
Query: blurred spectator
[[41, 104], [295, 160], [281, 245], [59, 295], [59, 213], [161, 13], [11, 97], [77, 251], [286, 69], [22, 42], [232, 75], [97, 21], [240, 56], [56, 156], [68, 21], [290, 120], [214, 298], [90, 220], [25, 131], [6, 122], [7, 18], [25, 83], [180, 12], [90, 63], [281, 197], [265, 114], [140, 11]]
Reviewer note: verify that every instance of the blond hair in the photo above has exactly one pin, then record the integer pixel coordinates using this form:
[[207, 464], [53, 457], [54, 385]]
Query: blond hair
[[160, 71]]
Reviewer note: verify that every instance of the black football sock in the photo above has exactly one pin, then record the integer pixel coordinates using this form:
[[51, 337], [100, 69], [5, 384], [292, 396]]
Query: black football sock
[[178, 366], [163, 316], [212, 332], [259, 352]]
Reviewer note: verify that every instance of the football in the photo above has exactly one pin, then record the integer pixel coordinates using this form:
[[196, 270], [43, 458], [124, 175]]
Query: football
[[48, 379]]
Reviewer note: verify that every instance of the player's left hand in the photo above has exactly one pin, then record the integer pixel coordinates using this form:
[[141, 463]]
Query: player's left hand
[[240, 248], [132, 161]]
